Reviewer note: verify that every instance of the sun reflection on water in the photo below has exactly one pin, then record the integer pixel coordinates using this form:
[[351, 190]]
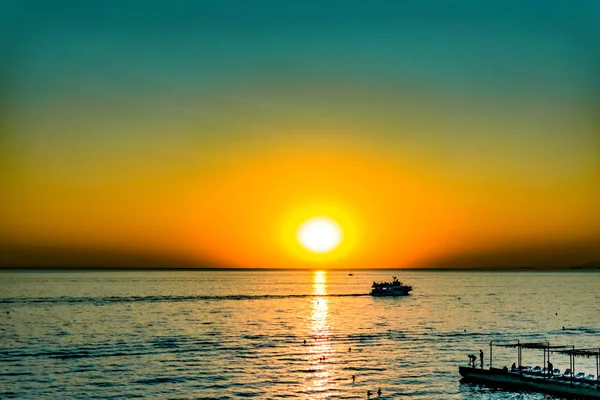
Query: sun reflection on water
[[322, 354], [320, 306]]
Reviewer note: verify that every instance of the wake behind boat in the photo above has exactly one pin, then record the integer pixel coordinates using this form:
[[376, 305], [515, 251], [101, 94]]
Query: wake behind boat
[[394, 288]]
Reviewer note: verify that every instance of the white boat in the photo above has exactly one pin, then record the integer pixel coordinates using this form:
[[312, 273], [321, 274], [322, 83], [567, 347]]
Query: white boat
[[393, 288]]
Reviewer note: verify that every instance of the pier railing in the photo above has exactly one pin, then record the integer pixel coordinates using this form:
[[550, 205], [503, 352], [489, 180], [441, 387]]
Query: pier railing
[[548, 349]]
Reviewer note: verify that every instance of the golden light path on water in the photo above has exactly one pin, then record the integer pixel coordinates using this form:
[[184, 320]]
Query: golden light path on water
[[321, 351]]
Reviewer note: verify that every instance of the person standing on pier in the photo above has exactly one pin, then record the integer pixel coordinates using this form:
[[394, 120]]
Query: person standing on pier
[[481, 357]]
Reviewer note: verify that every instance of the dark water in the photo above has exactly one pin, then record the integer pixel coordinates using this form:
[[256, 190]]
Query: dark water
[[207, 334]]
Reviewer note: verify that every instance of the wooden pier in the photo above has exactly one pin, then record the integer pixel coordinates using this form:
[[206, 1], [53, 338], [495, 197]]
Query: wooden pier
[[523, 378]]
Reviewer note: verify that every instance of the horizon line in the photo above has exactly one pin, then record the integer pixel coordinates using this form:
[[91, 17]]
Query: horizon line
[[432, 269]]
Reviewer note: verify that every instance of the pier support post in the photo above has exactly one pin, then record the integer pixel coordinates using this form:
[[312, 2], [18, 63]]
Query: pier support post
[[544, 365], [519, 360], [598, 369], [573, 366]]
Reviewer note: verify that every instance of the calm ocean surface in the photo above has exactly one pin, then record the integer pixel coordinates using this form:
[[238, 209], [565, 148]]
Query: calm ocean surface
[[232, 334]]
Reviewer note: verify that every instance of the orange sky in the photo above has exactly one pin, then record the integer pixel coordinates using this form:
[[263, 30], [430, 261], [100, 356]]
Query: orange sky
[[243, 210]]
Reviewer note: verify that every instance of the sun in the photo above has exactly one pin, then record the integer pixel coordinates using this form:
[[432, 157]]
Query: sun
[[319, 234]]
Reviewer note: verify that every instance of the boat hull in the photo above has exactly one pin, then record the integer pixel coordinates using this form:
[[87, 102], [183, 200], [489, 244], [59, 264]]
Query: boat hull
[[515, 381], [390, 294]]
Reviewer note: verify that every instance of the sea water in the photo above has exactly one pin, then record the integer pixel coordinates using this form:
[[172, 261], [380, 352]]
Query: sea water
[[280, 334]]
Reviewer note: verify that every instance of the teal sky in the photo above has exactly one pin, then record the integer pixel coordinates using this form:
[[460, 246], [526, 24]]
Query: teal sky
[[462, 48], [535, 62]]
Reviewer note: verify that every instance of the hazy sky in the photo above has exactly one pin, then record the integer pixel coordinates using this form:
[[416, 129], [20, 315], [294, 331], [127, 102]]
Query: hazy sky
[[454, 133]]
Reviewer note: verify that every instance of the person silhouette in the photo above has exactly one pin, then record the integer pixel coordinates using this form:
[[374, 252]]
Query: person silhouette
[[481, 358], [472, 359]]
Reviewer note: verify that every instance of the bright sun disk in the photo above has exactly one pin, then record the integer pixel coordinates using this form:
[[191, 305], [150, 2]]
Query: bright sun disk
[[319, 235]]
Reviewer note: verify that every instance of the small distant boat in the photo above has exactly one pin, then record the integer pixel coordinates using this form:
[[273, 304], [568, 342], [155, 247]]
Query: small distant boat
[[393, 288], [350, 274]]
